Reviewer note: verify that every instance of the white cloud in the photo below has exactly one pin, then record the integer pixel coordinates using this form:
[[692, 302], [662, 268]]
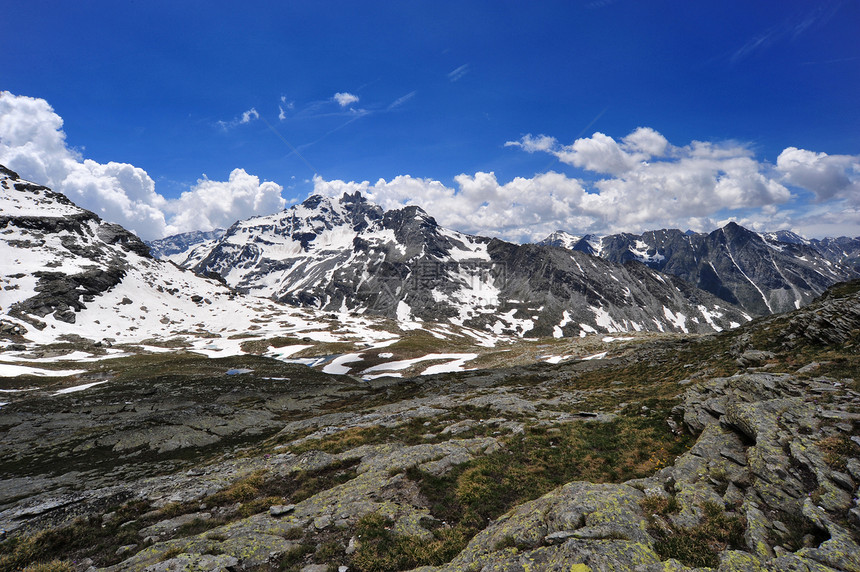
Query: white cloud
[[284, 106], [647, 184], [532, 144], [246, 117], [249, 116], [218, 204], [828, 176], [33, 143], [345, 99], [642, 182], [648, 141], [521, 209], [601, 153]]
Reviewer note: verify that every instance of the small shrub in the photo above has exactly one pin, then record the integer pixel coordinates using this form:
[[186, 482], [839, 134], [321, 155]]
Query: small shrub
[[328, 551], [381, 550], [689, 550], [660, 505], [292, 558], [698, 546], [293, 533]]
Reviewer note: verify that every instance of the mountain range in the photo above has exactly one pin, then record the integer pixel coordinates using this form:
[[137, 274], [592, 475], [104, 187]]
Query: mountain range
[[348, 255], [762, 273]]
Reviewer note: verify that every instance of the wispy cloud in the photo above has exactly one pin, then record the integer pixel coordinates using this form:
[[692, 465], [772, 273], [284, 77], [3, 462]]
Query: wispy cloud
[[245, 117], [345, 99], [792, 28], [600, 4], [458, 73], [401, 100]]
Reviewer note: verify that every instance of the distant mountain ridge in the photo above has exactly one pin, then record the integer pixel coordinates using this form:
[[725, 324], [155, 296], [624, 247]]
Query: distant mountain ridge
[[762, 273], [347, 254], [178, 246]]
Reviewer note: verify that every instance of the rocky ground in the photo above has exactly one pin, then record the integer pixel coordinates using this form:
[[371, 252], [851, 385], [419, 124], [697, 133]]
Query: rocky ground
[[737, 451]]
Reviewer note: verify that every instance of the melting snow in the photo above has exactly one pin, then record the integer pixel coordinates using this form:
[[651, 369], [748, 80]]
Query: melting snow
[[78, 388], [456, 362], [337, 366], [678, 320], [9, 370], [709, 316], [601, 355]]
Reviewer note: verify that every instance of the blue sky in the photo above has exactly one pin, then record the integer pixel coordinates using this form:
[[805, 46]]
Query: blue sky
[[440, 94]]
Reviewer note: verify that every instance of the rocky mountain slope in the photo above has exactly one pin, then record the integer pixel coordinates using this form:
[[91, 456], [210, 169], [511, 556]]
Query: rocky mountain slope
[[761, 273], [67, 277], [733, 451], [349, 255]]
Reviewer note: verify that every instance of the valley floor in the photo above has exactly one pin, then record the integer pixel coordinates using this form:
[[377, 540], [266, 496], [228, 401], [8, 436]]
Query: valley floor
[[735, 451]]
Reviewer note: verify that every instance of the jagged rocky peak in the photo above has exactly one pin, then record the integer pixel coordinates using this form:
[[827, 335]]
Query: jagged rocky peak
[[353, 210]]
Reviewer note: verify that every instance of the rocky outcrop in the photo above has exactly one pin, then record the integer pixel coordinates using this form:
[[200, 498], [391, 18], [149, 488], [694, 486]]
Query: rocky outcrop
[[63, 294], [763, 465], [832, 320]]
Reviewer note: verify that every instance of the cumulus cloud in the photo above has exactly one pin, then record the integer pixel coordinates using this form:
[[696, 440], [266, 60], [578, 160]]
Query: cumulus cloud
[[643, 183], [33, 143], [633, 183], [601, 153], [522, 209], [345, 99], [218, 204], [531, 143], [828, 176]]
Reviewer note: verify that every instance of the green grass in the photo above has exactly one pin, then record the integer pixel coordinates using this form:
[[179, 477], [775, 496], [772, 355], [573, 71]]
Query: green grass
[[699, 546], [540, 460]]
